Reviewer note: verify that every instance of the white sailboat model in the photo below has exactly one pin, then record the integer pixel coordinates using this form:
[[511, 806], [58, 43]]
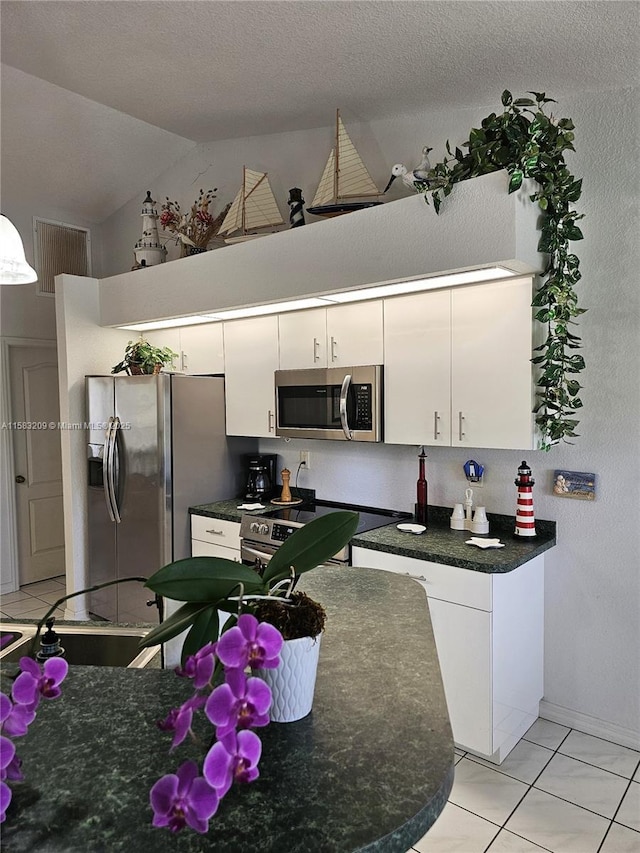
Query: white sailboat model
[[253, 207], [345, 178]]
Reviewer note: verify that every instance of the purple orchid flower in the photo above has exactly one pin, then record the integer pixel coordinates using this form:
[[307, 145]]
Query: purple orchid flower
[[33, 683], [199, 666], [7, 755], [15, 719], [179, 720], [183, 798], [250, 643], [232, 758], [239, 703]]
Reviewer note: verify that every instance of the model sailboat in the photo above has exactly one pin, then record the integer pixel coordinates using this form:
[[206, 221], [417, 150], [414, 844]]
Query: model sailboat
[[253, 207], [345, 179]]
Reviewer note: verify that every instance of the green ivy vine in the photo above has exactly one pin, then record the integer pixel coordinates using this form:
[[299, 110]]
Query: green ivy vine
[[528, 143]]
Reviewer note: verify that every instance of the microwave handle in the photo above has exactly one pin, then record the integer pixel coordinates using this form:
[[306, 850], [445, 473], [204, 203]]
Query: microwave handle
[[346, 382]]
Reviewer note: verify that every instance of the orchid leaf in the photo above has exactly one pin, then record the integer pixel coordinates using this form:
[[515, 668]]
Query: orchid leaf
[[313, 544], [174, 624], [203, 579], [204, 630]]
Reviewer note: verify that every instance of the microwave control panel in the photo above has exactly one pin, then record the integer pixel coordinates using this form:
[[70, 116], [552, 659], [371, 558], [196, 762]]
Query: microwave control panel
[[363, 412]]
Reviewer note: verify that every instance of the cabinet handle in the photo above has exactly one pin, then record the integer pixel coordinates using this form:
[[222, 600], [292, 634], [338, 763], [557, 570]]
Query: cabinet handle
[[334, 343], [436, 431], [215, 532], [416, 577], [316, 349], [461, 432], [271, 421]]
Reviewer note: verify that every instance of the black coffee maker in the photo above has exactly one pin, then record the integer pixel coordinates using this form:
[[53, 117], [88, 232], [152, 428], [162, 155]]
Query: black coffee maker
[[261, 477]]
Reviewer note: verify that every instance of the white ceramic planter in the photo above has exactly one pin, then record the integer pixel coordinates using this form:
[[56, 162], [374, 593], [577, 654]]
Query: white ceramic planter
[[293, 682]]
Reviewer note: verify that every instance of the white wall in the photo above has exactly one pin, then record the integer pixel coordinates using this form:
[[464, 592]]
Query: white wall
[[84, 348], [592, 627], [24, 314]]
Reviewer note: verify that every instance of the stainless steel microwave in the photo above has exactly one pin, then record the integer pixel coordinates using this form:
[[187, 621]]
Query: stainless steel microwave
[[339, 403]]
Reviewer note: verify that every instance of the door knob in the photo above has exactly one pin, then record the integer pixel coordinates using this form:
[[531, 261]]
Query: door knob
[[20, 479]]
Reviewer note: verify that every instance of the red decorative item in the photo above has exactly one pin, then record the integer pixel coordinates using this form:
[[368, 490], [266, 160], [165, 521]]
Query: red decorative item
[[525, 520]]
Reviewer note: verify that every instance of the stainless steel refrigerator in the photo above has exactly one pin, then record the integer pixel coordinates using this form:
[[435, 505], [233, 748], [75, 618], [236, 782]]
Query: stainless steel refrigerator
[[156, 446]]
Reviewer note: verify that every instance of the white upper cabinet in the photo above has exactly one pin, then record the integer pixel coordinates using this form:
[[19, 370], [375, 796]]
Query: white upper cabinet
[[202, 349], [303, 339], [417, 368], [340, 336], [458, 366], [491, 371], [251, 359]]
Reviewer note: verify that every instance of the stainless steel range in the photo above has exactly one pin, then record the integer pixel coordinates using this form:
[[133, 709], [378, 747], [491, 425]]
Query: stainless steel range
[[262, 535]]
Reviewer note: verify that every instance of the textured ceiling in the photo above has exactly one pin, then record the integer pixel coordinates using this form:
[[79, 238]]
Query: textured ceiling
[[137, 82]]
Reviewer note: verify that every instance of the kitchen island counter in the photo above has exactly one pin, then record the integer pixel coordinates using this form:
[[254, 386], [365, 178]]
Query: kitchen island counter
[[370, 769]]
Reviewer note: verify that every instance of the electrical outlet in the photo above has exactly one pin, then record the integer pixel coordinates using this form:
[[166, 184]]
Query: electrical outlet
[[305, 459]]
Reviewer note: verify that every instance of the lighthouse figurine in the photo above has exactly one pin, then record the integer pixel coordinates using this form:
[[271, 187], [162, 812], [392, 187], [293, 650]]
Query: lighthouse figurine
[[525, 520], [148, 250]]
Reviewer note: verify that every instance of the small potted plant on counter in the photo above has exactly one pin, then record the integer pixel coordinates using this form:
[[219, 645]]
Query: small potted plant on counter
[[210, 586], [140, 357]]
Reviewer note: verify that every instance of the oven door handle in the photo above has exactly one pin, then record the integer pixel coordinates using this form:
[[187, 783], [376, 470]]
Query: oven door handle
[[253, 552], [346, 383]]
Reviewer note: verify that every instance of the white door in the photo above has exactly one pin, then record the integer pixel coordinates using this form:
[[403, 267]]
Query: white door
[[35, 411]]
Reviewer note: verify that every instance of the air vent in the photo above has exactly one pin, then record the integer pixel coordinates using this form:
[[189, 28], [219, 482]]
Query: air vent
[[59, 248]]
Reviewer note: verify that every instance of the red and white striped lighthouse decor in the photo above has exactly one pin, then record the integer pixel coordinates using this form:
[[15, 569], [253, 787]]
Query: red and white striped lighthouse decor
[[525, 521]]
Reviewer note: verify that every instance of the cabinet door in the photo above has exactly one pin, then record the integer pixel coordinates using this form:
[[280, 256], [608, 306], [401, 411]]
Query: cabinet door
[[463, 641], [354, 334], [303, 339], [491, 373], [417, 367], [251, 359], [202, 349]]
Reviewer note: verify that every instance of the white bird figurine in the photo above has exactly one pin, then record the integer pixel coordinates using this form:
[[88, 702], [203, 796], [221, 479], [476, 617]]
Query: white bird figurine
[[418, 176]]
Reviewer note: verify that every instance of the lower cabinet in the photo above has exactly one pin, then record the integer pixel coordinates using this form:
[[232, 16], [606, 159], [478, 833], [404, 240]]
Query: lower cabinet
[[210, 537], [488, 630], [215, 537]]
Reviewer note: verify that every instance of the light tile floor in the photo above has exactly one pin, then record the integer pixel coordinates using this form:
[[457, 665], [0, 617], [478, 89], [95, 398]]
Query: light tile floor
[[33, 601], [559, 790]]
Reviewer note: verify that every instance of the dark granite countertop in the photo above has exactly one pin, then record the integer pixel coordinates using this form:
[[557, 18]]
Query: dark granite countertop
[[438, 544], [369, 770], [227, 510]]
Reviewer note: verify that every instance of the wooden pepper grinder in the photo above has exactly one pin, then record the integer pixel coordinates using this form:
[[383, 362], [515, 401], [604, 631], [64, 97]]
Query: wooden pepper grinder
[[285, 497]]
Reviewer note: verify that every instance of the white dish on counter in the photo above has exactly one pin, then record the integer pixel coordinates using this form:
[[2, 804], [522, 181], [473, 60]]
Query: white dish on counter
[[411, 528], [485, 543]]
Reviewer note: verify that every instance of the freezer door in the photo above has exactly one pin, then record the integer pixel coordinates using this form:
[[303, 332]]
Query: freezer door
[[142, 405], [100, 407]]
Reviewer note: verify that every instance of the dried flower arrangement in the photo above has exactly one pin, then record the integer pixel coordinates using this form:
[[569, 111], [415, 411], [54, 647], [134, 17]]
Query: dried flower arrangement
[[196, 228]]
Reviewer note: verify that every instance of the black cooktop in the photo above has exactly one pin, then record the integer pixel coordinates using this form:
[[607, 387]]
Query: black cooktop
[[370, 517]]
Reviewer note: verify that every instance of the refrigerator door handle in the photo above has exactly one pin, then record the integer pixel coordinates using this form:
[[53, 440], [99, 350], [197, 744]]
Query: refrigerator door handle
[[105, 470], [109, 479]]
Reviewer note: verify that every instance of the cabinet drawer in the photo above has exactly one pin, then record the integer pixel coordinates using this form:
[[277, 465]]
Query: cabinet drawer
[[447, 583], [204, 549], [216, 531]]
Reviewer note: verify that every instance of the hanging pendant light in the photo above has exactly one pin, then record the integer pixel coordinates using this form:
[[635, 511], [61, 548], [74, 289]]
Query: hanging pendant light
[[14, 268]]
